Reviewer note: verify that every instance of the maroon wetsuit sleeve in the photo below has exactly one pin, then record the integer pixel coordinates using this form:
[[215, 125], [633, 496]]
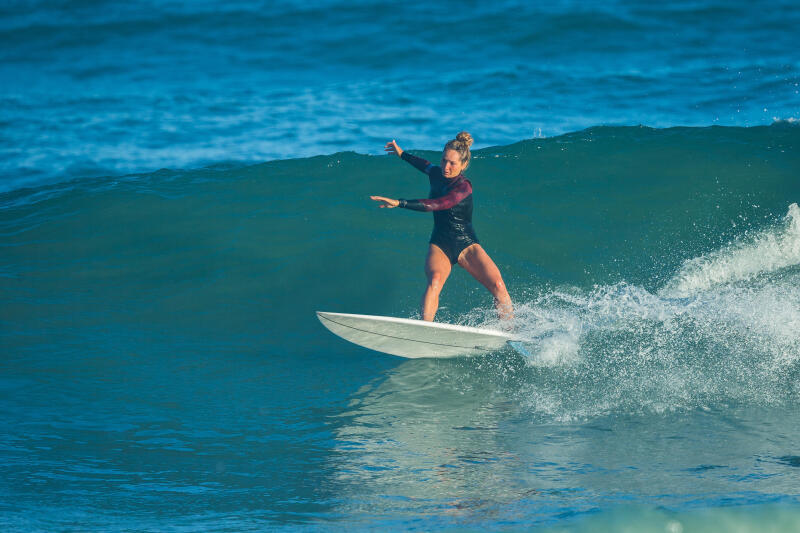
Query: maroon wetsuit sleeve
[[420, 164], [456, 194]]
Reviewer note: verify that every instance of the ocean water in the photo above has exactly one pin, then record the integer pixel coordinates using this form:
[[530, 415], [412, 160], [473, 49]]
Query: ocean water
[[163, 367], [183, 185], [99, 87]]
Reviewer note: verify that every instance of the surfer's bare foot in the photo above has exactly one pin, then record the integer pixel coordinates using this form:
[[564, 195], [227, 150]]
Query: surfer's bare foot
[[505, 310]]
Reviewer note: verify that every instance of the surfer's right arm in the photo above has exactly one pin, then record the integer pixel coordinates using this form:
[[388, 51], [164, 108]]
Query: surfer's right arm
[[420, 164]]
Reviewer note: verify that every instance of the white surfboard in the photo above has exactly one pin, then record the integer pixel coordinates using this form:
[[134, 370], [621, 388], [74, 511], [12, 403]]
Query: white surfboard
[[413, 338]]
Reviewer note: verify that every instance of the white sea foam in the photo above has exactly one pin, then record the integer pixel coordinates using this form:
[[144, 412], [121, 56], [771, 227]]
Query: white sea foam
[[725, 329], [771, 250]]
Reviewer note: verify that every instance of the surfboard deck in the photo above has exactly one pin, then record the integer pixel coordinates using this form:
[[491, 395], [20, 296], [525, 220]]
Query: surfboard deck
[[406, 337]]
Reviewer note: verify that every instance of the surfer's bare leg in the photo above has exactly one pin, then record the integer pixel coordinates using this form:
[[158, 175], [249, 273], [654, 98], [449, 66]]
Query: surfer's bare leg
[[437, 268], [477, 262]]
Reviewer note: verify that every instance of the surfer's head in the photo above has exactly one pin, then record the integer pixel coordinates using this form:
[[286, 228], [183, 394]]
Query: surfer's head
[[455, 157]]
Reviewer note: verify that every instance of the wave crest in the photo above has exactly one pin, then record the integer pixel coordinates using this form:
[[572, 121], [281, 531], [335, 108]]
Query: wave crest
[[724, 331], [769, 251]]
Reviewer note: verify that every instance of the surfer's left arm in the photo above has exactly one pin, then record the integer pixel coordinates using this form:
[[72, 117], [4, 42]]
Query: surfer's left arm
[[452, 198], [385, 202]]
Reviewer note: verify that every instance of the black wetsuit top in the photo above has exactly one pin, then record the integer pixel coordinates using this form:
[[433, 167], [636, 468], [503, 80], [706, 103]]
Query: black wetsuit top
[[450, 200]]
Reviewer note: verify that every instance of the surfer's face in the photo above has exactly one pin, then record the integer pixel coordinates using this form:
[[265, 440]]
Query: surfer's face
[[451, 164]]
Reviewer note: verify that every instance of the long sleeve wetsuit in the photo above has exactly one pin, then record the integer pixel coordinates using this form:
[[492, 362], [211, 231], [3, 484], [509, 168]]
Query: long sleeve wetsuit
[[450, 200]]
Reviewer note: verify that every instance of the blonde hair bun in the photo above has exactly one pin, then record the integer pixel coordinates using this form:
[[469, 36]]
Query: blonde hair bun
[[461, 144], [465, 138]]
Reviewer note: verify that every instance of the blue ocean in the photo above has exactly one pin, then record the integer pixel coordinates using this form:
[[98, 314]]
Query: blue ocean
[[183, 184]]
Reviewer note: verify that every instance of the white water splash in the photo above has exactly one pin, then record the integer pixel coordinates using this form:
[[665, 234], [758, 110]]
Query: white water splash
[[771, 250], [725, 329]]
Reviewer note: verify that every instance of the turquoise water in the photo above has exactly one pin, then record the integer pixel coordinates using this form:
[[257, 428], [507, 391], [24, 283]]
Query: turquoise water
[[106, 87], [163, 368], [182, 185]]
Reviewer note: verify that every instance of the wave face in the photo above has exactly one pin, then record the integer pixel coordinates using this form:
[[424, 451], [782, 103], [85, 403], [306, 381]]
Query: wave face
[[159, 337], [93, 88]]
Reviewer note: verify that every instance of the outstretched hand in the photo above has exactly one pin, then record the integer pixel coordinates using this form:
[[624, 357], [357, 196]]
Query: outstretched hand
[[385, 202], [392, 148]]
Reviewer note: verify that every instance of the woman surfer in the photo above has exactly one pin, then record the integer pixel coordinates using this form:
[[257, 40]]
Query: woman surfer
[[453, 239]]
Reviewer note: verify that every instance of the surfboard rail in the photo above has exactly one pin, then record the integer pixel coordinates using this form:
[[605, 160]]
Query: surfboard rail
[[410, 338]]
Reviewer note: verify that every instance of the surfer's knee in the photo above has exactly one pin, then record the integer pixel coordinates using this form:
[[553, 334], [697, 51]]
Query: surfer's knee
[[498, 288], [435, 281]]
